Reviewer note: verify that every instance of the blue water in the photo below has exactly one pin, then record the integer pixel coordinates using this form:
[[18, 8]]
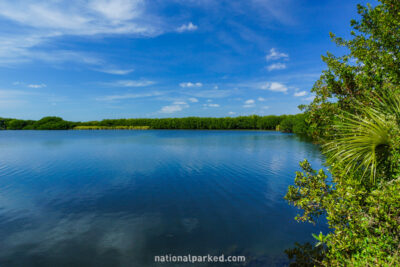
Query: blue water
[[118, 198]]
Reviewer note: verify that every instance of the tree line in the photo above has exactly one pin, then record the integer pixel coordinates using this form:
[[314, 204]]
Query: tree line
[[285, 123]]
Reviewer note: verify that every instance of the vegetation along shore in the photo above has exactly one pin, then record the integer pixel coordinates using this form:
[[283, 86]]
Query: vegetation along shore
[[285, 123]]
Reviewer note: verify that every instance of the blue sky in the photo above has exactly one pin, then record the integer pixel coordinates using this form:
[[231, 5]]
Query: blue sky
[[94, 59]]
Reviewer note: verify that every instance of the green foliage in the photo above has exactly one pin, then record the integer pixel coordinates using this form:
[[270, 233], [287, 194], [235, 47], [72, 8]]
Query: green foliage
[[365, 220], [308, 192], [52, 123], [2, 124], [295, 124], [254, 122], [16, 124], [111, 128], [286, 125], [371, 64], [356, 116], [46, 123], [241, 122], [361, 144]]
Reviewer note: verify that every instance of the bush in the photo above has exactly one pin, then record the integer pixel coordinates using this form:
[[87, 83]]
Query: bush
[[365, 219]]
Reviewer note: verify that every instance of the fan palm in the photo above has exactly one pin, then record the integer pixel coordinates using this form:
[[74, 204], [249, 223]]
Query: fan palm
[[361, 142]]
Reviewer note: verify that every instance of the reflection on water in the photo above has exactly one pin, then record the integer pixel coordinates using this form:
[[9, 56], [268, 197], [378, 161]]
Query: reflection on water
[[118, 198]]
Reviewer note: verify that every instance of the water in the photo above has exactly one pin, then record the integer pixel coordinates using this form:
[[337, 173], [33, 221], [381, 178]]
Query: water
[[118, 198]]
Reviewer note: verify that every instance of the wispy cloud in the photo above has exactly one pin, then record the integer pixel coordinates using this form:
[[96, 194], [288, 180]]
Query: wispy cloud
[[14, 98], [276, 66], [211, 105], [261, 99], [175, 107], [190, 84], [43, 21], [180, 103], [249, 103], [301, 93], [75, 17], [116, 71], [275, 55], [23, 49], [171, 109], [187, 27], [37, 85], [210, 93], [193, 100], [13, 93], [131, 83], [127, 96], [275, 87]]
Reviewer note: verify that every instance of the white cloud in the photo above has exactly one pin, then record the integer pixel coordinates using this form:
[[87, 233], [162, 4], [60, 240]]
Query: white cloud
[[261, 99], [231, 113], [127, 96], [180, 103], [275, 87], [190, 84], [117, 10], [193, 100], [265, 107], [116, 71], [175, 107], [36, 85], [187, 27], [276, 66], [41, 21], [131, 83], [211, 105], [301, 93], [249, 103], [171, 109], [23, 49], [76, 17], [210, 93], [274, 55]]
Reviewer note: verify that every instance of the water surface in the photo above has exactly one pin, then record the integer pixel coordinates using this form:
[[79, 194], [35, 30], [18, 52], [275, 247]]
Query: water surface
[[118, 198]]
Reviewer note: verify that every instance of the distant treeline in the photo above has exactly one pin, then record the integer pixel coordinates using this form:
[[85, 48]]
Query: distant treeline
[[111, 127], [285, 123]]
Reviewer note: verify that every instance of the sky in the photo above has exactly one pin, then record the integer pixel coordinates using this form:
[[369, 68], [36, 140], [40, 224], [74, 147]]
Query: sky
[[94, 59]]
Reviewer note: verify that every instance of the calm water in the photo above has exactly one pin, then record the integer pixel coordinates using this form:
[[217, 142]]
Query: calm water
[[118, 198]]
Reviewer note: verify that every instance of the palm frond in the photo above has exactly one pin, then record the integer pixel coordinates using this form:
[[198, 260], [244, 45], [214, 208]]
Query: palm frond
[[357, 138]]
